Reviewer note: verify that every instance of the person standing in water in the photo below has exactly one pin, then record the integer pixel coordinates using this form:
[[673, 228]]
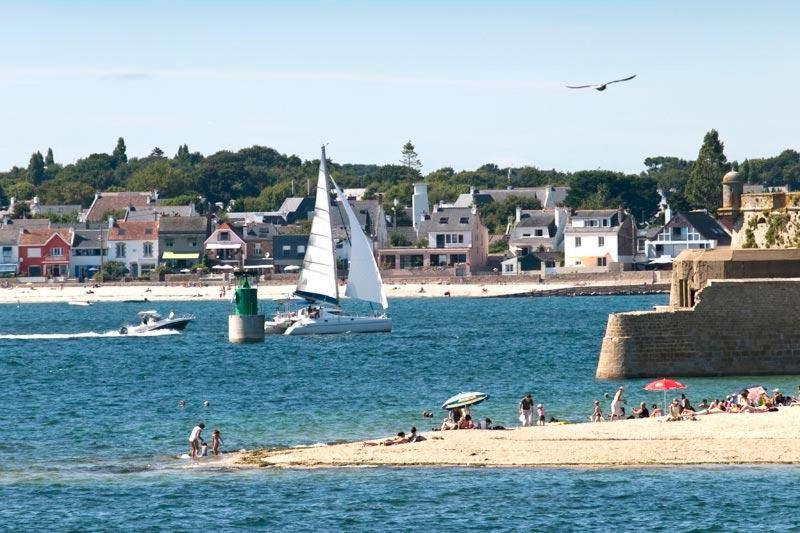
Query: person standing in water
[[195, 440]]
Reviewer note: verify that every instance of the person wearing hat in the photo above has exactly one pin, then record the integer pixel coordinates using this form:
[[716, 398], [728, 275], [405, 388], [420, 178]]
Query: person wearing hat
[[195, 440], [616, 404]]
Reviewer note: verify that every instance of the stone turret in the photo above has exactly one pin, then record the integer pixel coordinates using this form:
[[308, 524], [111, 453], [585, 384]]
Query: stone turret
[[732, 186]]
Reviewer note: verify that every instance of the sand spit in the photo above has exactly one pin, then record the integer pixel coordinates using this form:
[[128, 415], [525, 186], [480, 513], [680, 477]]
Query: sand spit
[[763, 438]]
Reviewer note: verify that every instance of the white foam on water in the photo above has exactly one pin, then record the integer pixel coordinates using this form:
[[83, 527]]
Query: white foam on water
[[89, 335]]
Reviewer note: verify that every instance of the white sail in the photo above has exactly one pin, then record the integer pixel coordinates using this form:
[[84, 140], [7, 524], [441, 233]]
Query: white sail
[[363, 278], [318, 276]]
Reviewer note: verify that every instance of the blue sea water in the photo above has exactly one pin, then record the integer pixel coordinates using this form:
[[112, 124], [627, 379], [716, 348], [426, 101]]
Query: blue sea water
[[92, 429]]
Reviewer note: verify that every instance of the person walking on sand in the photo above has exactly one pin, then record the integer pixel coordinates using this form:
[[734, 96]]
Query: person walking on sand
[[616, 404], [216, 441], [597, 416], [540, 413], [526, 410], [195, 439]]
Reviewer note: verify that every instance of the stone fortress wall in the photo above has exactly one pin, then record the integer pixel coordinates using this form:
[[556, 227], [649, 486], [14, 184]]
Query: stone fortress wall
[[737, 327]]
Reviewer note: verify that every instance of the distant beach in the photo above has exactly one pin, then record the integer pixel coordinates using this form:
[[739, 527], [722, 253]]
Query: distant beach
[[722, 438], [494, 287]]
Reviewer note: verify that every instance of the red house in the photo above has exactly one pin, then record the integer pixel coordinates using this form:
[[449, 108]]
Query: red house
[[44, 252]]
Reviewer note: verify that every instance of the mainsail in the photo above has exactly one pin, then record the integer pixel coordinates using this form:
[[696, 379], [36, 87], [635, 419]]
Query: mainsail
[[318, 276], [363, 277]]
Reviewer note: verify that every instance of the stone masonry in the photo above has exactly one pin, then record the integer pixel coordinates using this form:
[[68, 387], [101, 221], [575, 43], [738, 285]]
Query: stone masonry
[[736, 327]]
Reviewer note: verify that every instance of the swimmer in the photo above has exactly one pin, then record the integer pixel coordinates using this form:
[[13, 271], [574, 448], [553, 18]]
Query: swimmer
[[181, 403], [206, 403]]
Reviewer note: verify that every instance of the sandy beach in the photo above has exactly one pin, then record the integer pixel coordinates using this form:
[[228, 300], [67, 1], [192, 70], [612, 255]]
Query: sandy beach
[[118, 292], [762, 438]]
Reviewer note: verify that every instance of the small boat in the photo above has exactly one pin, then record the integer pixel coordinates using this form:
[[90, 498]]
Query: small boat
[[80, 303], [152, 321], [318, 278]]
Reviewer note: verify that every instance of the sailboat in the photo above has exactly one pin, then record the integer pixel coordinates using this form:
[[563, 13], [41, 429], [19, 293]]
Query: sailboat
[[317, 283]]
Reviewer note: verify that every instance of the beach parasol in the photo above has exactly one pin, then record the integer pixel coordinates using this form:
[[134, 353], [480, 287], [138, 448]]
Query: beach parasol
[[464, 399], [754, 393], [664, 384]]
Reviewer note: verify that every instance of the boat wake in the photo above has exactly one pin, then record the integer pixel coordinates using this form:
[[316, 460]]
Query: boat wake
[[90, 335]]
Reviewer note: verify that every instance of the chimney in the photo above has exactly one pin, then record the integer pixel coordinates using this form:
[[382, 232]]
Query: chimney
[[111, 222], [419, 203], [35, 200], [518, 214], [667, 213], [620, 215], [472, 190]]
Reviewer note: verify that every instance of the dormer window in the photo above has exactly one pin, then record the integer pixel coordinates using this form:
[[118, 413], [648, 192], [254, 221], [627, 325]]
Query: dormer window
[[443, 220], [224, 236], [148, 231], [463, 220], [121, 231]]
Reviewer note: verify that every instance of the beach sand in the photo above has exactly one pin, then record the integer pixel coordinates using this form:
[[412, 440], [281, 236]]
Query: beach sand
[[53, 292], [762, 438]]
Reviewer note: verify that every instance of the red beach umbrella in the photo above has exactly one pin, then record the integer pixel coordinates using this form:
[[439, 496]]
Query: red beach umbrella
[[664, 384]]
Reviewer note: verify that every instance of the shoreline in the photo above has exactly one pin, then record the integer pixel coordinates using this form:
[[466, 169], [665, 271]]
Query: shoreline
[[715, 439], [162, 292]]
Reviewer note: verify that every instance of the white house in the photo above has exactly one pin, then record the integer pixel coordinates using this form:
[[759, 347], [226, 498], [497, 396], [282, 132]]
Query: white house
[[9, 251], [88, 250], [135, 244], [538, 230], [598, 238], [225, 247], [691, 230]]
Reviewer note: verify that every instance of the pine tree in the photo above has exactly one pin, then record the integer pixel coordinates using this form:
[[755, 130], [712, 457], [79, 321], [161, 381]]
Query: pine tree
[[704, 187], [410, 159], [119, 155], [48, 159], [183, 152], [157, 152], [36, 168]]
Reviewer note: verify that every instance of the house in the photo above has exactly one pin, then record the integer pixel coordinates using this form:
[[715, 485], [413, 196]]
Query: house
[[291, 211], [225, 247], [288, 250], [181, 239], [538, 230], [372, 220], [456, 239], [9, 251], [258, 238], [600, 238], [107, 204], [44, 252], [135, 244], [684, 231], [533, 262], [156, 211], [549, 196], [88, 250]]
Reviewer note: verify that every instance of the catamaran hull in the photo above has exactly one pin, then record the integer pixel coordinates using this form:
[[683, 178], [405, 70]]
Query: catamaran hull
[[344, 324]]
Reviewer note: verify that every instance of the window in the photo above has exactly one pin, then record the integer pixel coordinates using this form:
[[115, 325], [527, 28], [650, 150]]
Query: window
[[508, 268], [592, 223], [526, 234], [148, 231], [121, 231], [147, 249], [411, 261], [640, 245], [258, 248], [56, 252], [301, 249], [286, 248], [34, 252], [538, 233], [463, 220], [194, 244], [443, 220], [602, 261], [170, 242], [224, 236], [447, 239], [119, 249], [458, 258], [577, 242], [601, 241], [606, 222], [659, 248]]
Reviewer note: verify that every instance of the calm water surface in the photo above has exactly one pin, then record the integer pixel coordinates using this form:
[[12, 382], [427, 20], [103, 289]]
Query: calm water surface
[[93, 431]]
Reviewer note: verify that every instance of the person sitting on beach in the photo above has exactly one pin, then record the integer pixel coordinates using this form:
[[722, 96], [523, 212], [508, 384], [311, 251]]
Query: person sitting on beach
[[641, 411], [451, 422], [685, 405], [414, 436], [466, 423], [777, 397], [674, 411], [597, 416], [485, 424], [657, 411], [704, 405]]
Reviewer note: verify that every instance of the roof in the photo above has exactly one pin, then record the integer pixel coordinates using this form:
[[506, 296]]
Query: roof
[[133, 230], [290, 205], [537, 219], [173, 225], [594, 213], [86, 238], [55, 209], [448, 219], [37, 236], [706, 225], [549, 196], [9, 236], [113, 201], [256, 231], [24, 223]]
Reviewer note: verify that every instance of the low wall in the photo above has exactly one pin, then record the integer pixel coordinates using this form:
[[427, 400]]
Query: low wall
[[737, 327]]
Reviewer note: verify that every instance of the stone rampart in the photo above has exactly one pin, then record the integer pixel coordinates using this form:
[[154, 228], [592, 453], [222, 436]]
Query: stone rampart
[[737, 327]]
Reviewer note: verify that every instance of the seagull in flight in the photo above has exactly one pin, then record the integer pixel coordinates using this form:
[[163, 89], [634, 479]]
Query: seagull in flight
[[599, 86]]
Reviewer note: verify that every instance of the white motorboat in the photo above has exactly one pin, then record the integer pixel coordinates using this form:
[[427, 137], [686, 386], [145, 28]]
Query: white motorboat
[[79, 303], [318, 281], [152, 321]]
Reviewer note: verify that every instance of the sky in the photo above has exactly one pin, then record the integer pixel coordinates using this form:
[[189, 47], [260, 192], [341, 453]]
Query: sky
[[468, 82]]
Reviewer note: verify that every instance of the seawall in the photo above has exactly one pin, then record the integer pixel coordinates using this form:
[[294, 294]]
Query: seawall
[[737, 327]]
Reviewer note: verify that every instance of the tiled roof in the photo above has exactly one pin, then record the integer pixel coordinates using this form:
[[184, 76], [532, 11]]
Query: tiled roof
[[196, 224], [133, 231], [25, 223], [113, 201], [33, 237], [9, 236]]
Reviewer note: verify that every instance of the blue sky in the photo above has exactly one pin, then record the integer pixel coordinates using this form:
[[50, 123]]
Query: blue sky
[[468, 82]]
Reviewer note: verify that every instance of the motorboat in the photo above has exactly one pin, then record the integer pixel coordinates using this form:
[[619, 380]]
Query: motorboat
[[317, 283], [152, 321], [79, 303]]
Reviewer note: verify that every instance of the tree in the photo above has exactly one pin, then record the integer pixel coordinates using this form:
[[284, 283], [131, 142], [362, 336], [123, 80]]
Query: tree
[[36, 172], [21, 210], [112, 270], [183, 152], [410, 159], [157, 152], [48, 159], [704, 188], [119, 155]]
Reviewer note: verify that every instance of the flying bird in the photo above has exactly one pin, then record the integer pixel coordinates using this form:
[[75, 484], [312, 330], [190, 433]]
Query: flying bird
[[599, 86]]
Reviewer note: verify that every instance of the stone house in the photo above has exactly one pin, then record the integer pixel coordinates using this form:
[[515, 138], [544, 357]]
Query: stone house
[[117, 202], [538, 230]]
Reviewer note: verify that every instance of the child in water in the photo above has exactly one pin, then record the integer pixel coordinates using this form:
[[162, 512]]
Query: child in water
[[216, 440]]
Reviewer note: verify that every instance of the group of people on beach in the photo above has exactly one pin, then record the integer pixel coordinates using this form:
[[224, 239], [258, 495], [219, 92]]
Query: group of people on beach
[[400, 438], [198, 447], [526, 412], [681, 408]]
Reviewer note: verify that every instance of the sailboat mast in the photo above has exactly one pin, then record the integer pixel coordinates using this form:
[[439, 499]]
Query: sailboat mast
[[324, 163]]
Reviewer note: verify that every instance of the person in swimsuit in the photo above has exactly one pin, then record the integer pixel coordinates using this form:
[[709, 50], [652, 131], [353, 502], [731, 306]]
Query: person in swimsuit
[[216, 441], [597, 416]]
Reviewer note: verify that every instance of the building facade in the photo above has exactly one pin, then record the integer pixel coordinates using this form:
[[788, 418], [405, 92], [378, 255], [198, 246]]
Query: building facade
[[134, 244], [600, 238]]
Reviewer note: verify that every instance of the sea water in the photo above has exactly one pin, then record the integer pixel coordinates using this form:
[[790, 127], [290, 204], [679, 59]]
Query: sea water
[[92, 432]]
